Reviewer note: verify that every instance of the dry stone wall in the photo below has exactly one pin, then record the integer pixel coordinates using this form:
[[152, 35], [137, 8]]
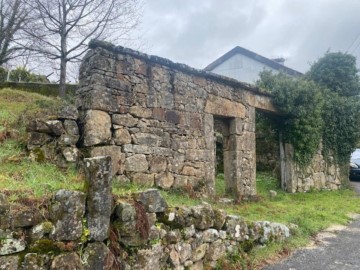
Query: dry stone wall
[[320, 174], [93, 230], [55, 139], [155, 119]]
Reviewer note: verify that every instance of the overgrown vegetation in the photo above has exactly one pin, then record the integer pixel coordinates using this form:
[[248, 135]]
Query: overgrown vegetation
[[324, 104], [19, 176]]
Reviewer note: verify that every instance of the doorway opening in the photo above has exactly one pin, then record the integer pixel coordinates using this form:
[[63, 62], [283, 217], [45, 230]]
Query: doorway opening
[[224, 186], [268, 159]]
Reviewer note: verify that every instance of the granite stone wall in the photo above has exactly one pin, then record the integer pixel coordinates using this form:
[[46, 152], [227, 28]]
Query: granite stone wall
[[155, 119], [92, 230], [159, 122], [321, 174]]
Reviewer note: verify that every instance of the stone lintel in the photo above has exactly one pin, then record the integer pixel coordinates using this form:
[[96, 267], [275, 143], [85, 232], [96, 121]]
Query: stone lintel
[[224, 107]]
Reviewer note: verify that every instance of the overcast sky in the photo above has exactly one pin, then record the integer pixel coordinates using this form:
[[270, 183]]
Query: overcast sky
[[196, 32]]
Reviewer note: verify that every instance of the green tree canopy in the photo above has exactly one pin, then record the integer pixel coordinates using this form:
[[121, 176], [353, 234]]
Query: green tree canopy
[[300, 101], [337, 72], [324, 104]]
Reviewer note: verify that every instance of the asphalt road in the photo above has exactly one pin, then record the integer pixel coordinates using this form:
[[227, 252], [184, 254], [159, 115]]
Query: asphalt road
[[338, 249]]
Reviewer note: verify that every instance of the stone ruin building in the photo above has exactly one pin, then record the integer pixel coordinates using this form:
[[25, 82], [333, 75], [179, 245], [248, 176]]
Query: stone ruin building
[[158, 119]]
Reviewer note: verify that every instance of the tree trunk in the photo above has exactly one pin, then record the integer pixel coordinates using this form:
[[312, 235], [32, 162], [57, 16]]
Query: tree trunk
[[62, 87], [63, 58]]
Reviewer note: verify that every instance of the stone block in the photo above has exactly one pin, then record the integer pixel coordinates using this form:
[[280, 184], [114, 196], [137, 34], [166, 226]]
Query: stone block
[[140, 112], [12, 242], [180, 181], [159, 114], [99, 198], [237, 228], [199, 252], [38, 125], [147, 139], [71, 154], [137, 149], [173, 236], [164, 180], [125, 211], [95, 256], [25, 217], [66, 211], [97, 128], [117, 157], [56, 127], [71, 127], [68, 112], [34, 261], [216, 251], [68, 140], [174, 259], [236, 126], [99, 98], [203, 216], [223, 107], [122, 136], [219, 218], [36, 138], [41, 230], [157, 164], [152, 200], [143, 179], [67, 261], [173, 117], [136, 163], [9, 262], [153, 258], [126, 120], [210, 235]]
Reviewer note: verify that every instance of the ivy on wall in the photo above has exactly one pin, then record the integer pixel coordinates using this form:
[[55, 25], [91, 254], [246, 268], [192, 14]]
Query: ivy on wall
[[300, 102], [324, 104]]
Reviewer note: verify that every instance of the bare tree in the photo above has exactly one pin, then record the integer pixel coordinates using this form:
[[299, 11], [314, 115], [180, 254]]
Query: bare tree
[[64, 27], [14, 14]]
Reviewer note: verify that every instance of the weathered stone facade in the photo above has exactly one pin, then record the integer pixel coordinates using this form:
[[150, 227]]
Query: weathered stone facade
[[155, 119], [320, 174], [158, 120]]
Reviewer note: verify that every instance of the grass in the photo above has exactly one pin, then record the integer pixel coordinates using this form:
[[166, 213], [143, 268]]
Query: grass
[[20, 177]]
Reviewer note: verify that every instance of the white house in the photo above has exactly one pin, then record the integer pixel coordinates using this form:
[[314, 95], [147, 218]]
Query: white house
[[245, 66]]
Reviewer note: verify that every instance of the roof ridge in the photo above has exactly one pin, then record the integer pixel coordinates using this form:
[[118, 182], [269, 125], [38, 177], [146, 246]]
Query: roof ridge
[[252, 55]]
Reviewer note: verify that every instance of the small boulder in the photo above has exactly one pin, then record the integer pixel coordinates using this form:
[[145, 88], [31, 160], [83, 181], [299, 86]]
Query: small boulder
[[203, 216], [68, 112], [67, 211], [67, 261], [272, 194], [152, 200], [56, 127], [9, 262], [95, 256], [71, 127], [34, 261], [12, 242]]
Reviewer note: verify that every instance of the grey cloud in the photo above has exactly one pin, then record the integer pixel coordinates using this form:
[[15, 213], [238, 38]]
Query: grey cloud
[[196, 32]]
